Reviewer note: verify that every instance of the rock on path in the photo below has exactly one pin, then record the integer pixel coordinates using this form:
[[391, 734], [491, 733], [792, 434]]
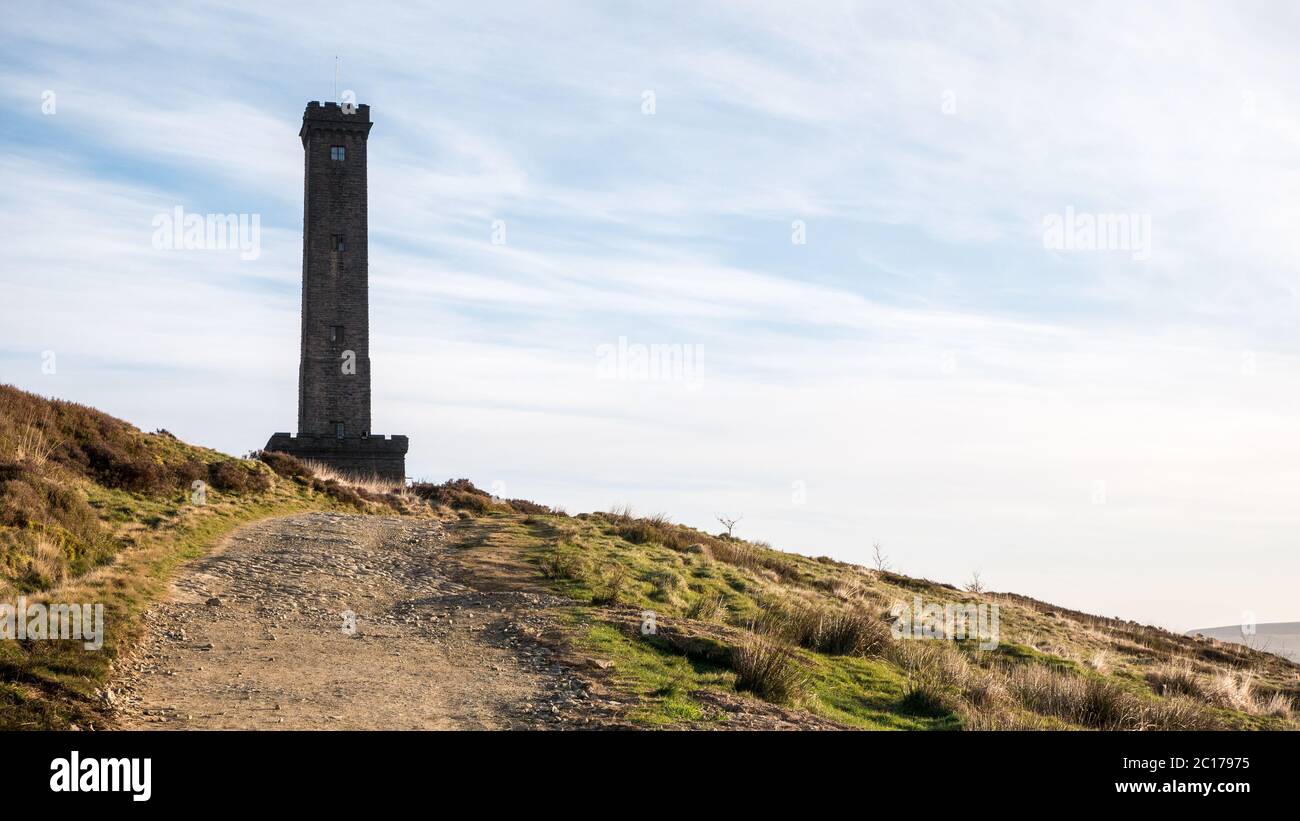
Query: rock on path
[[252, 636]]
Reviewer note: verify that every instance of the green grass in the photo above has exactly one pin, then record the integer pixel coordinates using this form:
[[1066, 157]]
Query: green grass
[[866, 694], [93, 510], [667, 568], [661, 681], [51, 684]]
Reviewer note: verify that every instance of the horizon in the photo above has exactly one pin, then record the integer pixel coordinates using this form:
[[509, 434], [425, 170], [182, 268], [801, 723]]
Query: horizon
[[866, 239]]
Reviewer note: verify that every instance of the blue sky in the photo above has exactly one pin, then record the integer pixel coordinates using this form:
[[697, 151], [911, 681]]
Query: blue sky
[[1108, 433]]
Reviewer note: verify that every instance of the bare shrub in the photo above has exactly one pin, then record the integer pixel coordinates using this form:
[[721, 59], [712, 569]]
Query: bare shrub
[[234, 476], [283, 464], [729, 524], [531, 508], [878, 558], [657, 529], [457, 494]]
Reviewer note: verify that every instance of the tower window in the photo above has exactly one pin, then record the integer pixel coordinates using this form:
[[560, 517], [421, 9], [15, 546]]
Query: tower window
[[337, 243], [336, 333], [338, 430], [337, 153]]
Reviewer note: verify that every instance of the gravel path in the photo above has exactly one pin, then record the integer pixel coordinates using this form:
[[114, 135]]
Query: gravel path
[[253, 636]]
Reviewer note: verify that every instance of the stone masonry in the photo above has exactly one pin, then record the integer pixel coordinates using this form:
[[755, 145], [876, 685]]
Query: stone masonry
[[334, 364]]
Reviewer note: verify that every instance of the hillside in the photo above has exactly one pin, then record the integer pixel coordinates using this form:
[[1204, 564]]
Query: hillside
[[673, 626], [94, 510], [737, 617]]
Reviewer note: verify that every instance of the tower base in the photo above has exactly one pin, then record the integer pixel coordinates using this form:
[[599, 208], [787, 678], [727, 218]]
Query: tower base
[[383, 457]]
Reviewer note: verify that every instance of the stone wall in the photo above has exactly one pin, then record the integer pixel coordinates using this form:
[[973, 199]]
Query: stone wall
[[377, 456]]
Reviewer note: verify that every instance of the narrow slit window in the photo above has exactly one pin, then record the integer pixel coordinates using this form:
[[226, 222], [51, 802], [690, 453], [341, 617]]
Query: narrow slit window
[[338, 430], [338, 243], [338, 153], [336, 333]]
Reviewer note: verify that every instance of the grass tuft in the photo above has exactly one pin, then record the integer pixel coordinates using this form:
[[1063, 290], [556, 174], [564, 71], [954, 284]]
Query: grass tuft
[[769, 669]]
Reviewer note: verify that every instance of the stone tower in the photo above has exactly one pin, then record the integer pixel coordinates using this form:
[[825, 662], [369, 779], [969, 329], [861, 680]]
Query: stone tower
[[334, 364]]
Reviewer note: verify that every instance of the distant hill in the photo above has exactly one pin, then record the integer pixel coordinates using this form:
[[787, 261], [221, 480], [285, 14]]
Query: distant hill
[[1280, 638]]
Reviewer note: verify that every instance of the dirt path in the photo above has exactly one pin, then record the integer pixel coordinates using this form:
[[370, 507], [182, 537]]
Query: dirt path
[[252, 636]]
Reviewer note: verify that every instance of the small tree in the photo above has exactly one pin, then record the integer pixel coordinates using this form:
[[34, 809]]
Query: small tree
[[878, 557], [975, 585], [729, 524]]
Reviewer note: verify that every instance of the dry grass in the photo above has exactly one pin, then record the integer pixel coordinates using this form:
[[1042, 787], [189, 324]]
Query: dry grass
[[612, 587], [769, 669], [47, 564], [935, 672], [1277, 705], [844, 631], [1100, 661], [1102, 704], [712, 609], [1085, 701], [985, 690], [360, 490], [1177, 679], [1230, 689], [1058, 668], [31, 446], [564, 561], [668, 586], [458, 495], [373, 485], [846, 590]]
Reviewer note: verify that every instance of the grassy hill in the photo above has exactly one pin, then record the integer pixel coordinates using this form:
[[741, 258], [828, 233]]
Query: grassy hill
[[734, 617], [94, 510]]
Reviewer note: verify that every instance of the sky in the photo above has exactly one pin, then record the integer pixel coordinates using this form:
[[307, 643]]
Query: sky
[[866, 223]]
